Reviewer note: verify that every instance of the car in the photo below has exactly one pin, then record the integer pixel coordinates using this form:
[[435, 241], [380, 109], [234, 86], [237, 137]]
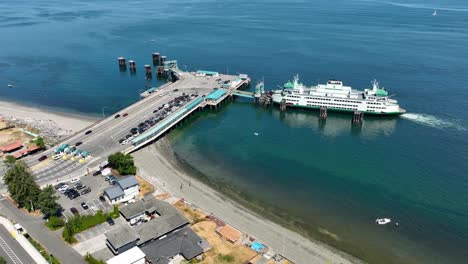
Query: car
[[69, 191], [74, 211], [141, 124], [81, 187], [156, 110], [63, 188], [121, 140], [117, 116], [110, 221], [58, 156], [112, 181], [42, 158], [72, 195], [78, 184], [58, 186], [75, 180], [85, 191], [78, 143], [129, 135], [102, 199], [84, 206], [124, 115], [96, 173], [88, 132]]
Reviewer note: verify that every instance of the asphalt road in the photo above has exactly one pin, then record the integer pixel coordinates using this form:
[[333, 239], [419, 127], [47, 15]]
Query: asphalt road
[[11, 250], [51, 241], [106, 133]]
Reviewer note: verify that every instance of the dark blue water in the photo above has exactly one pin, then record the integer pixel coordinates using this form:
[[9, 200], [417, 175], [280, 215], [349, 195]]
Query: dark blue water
[[328, 181]]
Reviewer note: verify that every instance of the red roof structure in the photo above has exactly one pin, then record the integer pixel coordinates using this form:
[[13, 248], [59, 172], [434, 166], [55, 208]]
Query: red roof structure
[[20, 153], [32, 149], [11, 147]]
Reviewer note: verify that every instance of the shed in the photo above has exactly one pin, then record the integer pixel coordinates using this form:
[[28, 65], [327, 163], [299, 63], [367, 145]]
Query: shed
[[11, 147], [229, 233]]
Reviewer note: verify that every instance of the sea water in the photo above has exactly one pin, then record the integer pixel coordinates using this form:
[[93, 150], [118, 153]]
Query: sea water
[[328, 181]]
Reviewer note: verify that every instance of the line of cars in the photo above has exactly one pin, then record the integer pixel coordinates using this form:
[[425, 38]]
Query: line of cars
[[159, 114], [73, 189]]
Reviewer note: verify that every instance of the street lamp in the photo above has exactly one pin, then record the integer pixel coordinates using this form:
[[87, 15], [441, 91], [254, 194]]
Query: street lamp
[[103, 111]]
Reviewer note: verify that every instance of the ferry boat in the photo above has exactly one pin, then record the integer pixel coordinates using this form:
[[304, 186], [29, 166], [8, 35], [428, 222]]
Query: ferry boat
[[338, 97]]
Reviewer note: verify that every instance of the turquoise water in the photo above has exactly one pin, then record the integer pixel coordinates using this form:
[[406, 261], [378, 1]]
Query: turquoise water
[[329, 181]]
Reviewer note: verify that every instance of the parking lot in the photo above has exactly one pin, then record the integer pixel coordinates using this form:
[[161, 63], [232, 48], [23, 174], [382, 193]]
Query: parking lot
[[97, 185]]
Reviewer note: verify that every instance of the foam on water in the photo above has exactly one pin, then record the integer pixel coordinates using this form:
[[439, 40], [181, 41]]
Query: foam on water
[[432, 121], [419, 6]]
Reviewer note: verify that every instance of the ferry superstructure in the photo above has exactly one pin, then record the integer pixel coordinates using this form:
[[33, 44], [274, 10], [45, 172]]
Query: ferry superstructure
[[335, 96]]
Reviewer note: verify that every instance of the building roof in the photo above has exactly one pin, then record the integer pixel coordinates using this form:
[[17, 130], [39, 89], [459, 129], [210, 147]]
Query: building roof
[[229, 233], [127, 182], [184, 242], [131, 210], [208, 72], [11, 147], [113, 192], [121, 236], [215, 95], [33, 148], [130, 256]]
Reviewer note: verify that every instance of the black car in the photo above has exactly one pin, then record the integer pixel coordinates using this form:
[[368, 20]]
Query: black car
[[85, 191], [42, 158], [88, 132], [128, 136], [74, 211], [110, 221], [59, 185], [69, 191], [117, 116], [73, 195], [175, 90], [78, 143], [102, 199], [84, 205], [155, 111], [141, 124], [96, 173], [81, 187]]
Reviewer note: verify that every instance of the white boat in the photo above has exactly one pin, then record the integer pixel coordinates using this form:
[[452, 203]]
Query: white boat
[[256, 133], [383, 221], [337, 97], [10, 85], [435, 13]]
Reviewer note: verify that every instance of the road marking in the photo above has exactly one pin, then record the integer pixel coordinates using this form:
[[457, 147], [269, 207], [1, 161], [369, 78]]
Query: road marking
[[11, 254]]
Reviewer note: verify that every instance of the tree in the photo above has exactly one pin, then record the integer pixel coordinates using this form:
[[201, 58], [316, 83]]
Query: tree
[[39, 141], [47, 202], [67, 233], [2, 260], [123, 163], [10, 160], [21, 185]]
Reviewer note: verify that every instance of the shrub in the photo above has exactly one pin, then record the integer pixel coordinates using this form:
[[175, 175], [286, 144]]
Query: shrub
[[225, 258], [55, 223], [91, 260]]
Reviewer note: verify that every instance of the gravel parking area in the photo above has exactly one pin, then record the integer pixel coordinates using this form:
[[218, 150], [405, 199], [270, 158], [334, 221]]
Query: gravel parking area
[[97, 185]]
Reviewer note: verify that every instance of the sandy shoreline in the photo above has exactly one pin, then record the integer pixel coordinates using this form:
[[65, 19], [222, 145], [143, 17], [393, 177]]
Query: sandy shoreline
[[53, 125], [157, 164]]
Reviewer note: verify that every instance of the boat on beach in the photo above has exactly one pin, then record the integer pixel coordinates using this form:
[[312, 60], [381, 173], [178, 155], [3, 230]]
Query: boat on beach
[[337, 97]]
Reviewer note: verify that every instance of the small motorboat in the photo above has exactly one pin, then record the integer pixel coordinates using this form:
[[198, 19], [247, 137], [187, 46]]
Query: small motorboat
[[256, 133], [383, 221], [435, 13], [10, 85]]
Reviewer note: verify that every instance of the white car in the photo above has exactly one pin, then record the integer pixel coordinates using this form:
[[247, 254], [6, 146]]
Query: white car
[[74, 180], [63, 188], [58, 156]]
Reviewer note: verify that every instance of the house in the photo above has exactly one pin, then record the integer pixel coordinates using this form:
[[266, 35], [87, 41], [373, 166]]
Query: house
[[123, 190], [164, 234], [12, 147], [131, 256]]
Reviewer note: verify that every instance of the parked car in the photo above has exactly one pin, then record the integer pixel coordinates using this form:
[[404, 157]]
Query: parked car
[[63, 188], [156, 110], [74, 194], [84, 206], [124, 115], [42, 158], [78, 184], [58, 186], [85, 191], [78, 143], [74, 180], [110, 221], [74, 211], [109, 177], [96, 173], [81, 187], [58, 156], [117, 116], [88, 132], [112, 181], [102, 199]]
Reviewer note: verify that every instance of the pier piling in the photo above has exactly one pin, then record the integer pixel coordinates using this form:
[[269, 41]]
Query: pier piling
[[323, 113], [358, 117], [122, 63], [156, 58], [162, 60], [283, 105], [148, 71], [132, 65]]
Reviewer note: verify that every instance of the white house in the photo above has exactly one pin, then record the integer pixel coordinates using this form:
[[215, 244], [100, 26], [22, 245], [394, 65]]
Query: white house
[[123, 190], [131, 256]]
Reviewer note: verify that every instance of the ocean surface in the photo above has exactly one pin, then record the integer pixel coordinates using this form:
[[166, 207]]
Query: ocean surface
[[328, 181]]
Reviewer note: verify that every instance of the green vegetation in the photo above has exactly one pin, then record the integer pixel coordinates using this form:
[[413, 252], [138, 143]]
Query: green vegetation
[[91, 260], [123, 163], [225, 258], [52, 259], [2, 260], [10, 160], [47, 202], [55, 223], [81, 223], [27, 194], [39, 141], [21, 186]]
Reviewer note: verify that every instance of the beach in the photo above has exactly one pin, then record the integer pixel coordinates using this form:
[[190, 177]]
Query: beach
[[158, 165], [52, 125]]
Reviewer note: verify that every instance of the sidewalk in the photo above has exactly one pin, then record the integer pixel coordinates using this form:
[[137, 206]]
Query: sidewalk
[[27, 246]]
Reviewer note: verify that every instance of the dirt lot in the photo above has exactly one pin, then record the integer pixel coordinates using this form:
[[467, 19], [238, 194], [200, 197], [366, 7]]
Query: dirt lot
[[145, 187], [222, 251], [11, 135], [193, 215]]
